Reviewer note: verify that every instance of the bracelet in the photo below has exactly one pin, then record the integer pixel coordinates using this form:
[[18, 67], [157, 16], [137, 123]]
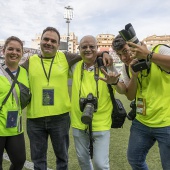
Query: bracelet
[[116, 82], [149, 56], [104, 52]]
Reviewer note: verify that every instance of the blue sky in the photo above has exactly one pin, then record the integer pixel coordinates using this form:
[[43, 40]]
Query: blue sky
[[26, 18]]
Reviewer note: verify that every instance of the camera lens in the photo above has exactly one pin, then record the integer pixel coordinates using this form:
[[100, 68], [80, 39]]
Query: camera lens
[[87, 113], [131, 115]]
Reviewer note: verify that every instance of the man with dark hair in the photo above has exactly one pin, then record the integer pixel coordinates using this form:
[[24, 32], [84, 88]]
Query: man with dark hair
[[118, 43], [122, 49], [51, 29], [48, 111], [150, 89]]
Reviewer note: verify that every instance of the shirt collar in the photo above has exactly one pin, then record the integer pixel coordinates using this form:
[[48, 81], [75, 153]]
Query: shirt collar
[[91, 68]]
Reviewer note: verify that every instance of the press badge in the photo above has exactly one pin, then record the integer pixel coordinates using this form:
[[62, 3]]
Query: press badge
[[141, 106], [47, 96], [12, 117]]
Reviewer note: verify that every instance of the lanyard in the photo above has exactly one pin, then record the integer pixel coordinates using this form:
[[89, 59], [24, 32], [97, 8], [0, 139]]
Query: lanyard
[[96, 77], [140, 80], [140, 84], [49, 73]]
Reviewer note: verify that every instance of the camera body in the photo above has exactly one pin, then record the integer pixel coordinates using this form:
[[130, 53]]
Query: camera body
[[88, 106], [141, 65], [132, 114], [129, 34]]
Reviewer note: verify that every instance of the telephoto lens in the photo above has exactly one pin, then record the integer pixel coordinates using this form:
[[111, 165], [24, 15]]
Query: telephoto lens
[[88, 113], [129, 34]]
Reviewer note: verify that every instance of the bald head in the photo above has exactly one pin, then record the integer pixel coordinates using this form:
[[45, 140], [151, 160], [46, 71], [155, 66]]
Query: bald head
[[88, 49], [87, 38]]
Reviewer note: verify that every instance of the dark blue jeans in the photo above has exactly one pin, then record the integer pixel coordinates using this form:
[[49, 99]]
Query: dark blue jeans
[[57, 127], [142, 138]]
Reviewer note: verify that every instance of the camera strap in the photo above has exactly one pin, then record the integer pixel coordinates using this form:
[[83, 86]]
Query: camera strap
[[139, 80], [7, 74], [148, 70], [96, 77], [90, 133], [91, 141], [112, 97]]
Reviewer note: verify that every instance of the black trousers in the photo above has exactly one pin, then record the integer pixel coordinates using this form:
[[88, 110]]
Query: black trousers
[[15, 148]]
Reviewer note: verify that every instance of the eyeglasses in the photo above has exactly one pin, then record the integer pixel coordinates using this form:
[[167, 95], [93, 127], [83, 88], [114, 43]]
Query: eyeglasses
[[85, 47]]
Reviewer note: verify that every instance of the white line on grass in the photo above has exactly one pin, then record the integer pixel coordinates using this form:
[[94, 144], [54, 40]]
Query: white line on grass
[[28, 165]]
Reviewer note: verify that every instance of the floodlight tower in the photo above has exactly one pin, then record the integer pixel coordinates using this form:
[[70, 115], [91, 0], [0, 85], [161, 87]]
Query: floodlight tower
[[68, 15]]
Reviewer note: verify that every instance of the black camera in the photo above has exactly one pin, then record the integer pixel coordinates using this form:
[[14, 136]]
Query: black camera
[[132, 114], [141, 65], [129, 34], [100, 62], [88, 106]]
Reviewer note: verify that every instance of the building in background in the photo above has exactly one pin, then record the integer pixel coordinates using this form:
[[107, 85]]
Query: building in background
[[104, 42], [2, 43], [26, 53], [35, 43], [73, 42], [1, 55], [154, 40]]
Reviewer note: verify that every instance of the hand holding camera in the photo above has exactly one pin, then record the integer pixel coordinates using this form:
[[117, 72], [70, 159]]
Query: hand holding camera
[[131, 64], [139, 51], [129, 35]]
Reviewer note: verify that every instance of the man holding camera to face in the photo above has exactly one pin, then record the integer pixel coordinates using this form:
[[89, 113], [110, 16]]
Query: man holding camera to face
[[91, 108], [149, 86]]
